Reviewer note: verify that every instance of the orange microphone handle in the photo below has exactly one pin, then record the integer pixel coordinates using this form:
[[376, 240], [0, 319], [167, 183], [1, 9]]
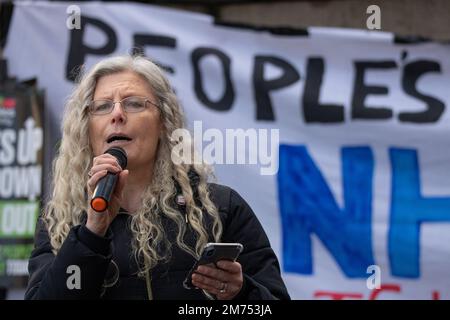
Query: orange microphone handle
[[103, 192], [99, 204]]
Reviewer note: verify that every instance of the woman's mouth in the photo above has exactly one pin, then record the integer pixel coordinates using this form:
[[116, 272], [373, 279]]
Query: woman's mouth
[[118, 139]]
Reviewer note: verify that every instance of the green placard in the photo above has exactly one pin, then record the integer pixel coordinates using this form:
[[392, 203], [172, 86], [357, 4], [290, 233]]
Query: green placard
[[21, 163], [13, 259], [18, 218]]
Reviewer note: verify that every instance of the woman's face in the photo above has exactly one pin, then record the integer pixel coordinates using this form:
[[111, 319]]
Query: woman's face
[[139, 131]]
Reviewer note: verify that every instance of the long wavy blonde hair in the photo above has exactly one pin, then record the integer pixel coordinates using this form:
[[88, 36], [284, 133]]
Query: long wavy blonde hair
[[69, 200]]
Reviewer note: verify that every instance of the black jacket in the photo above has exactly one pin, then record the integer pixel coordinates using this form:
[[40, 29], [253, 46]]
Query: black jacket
[[93, 254]]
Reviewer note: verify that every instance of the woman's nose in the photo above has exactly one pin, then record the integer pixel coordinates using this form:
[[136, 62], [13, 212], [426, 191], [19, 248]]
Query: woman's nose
[[118, 113]]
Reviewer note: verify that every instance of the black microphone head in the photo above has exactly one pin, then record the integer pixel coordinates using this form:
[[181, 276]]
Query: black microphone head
[[120, 155]]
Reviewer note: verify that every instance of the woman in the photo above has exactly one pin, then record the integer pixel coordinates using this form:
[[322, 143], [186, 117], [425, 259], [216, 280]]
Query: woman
[[161, 214]]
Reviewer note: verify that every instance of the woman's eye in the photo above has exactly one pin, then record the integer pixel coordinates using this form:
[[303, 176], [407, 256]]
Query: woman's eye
[[103, 106], [134, 104]]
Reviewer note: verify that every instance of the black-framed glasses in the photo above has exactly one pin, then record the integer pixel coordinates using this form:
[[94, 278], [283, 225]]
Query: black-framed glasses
[[132, 104]]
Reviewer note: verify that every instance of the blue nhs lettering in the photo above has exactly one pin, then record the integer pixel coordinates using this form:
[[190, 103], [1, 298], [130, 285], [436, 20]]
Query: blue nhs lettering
[[308, 206]]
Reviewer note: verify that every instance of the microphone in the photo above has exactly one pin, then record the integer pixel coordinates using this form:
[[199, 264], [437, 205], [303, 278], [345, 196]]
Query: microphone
[[106, 185]]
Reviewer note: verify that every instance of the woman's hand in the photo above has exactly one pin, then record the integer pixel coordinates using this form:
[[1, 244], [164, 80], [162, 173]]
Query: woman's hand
[[98, 222], [224, 282]]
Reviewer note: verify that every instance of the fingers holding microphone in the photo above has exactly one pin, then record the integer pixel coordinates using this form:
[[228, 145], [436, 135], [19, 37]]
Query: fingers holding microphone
[[100, 167], [107, 179]]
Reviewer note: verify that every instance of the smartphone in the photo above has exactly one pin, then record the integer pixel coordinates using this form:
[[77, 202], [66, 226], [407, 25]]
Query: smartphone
[[212, 253]]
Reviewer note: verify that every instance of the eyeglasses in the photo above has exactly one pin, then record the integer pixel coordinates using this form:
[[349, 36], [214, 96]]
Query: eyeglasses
[[129, 104]]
